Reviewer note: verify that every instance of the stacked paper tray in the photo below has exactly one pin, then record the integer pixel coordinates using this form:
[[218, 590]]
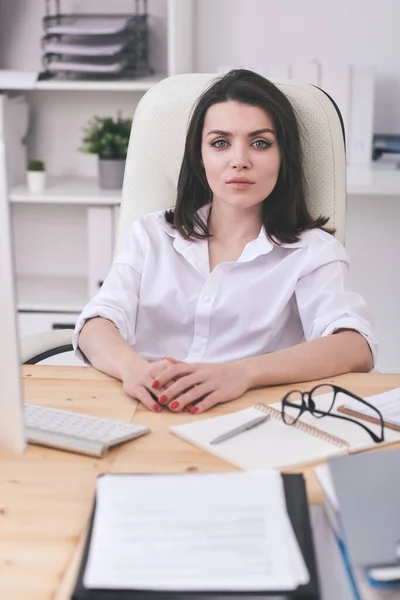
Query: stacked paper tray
[[92, 45]]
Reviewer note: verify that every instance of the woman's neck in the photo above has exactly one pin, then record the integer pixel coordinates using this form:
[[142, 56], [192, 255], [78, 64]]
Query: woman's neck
[[228, 224]]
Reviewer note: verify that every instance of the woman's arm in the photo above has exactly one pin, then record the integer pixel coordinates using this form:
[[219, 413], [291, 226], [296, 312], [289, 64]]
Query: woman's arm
[[343, 352], [105, 348], [211, 384]]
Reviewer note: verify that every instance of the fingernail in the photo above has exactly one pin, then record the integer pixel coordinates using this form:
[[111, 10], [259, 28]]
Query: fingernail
[[163, 399], [155, 384], [193, 410], [156, 407], [174, 405], [188, 407]]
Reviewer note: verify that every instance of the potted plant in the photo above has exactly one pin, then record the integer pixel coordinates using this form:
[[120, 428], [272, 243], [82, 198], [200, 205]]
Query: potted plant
[[36, 176], [108, 138]]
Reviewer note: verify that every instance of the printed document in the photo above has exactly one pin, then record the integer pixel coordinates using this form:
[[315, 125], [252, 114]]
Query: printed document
[[215, 532]]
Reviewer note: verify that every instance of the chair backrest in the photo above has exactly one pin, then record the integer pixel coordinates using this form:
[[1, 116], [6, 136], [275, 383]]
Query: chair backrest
[[158, 137]]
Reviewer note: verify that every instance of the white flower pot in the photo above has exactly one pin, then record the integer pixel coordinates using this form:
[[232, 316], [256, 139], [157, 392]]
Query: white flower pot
[[36, 181]]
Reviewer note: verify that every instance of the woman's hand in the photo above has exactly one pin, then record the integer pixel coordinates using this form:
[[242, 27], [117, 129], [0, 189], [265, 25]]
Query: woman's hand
[[206, 384], [138, 385]]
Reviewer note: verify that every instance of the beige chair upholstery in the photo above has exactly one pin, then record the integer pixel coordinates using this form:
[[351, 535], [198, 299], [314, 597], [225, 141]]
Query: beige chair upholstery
[[157, 143], [156, 148]]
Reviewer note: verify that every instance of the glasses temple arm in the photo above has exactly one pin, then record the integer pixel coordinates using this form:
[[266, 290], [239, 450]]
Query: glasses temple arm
[[339, 389], [371, 433]]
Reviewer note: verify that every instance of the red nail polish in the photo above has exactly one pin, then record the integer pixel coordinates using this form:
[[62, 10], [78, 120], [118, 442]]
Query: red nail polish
[[156, 407], [193, 410], [155, 384], [163, 399], [174, 405]]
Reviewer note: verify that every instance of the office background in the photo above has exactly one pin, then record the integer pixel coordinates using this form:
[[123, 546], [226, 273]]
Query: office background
[[226, 32]]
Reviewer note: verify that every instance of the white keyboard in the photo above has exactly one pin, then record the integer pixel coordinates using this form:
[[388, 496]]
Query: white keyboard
[[76, 432]]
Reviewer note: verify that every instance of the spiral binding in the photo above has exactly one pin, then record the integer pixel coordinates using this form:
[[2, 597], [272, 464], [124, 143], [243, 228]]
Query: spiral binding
[[322, 435]]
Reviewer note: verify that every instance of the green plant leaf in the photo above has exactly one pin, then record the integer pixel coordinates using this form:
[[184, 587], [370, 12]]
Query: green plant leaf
[[106, 137]]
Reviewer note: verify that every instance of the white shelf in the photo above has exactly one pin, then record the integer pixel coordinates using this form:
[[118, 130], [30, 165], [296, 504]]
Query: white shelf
[[141, 84], [68, 190], [54, 294], [377, 181]]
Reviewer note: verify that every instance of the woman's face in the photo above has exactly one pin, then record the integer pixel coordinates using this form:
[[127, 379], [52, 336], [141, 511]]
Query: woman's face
[[240, 154]]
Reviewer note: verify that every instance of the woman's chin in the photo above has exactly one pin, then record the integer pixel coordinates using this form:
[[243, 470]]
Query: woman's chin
[[239, 200]]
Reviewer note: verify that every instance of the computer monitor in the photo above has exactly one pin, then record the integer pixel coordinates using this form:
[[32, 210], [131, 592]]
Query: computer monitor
[[12, 434]]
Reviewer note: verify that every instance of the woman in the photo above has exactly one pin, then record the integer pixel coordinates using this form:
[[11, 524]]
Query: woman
[[237, 286]]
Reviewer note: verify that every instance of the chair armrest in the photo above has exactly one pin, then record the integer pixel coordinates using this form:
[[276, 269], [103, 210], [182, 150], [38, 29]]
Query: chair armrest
[[35, 348]]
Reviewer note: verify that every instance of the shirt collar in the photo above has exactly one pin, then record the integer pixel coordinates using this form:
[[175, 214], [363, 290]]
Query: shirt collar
[[180, 243], [261, 245]]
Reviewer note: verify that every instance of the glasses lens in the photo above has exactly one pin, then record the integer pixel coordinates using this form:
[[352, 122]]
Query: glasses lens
[[323, 398], [292, 407]]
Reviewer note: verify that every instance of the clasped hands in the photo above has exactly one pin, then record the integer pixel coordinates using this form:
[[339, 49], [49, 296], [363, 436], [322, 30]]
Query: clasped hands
[[187, 386]]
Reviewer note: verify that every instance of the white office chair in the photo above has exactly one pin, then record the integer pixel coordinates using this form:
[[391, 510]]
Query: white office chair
[[155, 153]]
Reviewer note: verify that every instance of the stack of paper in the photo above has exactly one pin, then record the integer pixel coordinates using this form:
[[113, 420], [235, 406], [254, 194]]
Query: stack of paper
[[219, 532]]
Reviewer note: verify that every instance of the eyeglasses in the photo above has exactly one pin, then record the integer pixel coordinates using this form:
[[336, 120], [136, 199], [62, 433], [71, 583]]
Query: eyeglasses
[[319, 402]]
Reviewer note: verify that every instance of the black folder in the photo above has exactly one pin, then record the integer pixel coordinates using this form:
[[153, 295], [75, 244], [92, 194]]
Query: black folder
[[296, 502]]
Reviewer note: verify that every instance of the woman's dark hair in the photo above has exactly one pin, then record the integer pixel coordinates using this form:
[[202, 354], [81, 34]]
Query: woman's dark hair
[[284, 211]]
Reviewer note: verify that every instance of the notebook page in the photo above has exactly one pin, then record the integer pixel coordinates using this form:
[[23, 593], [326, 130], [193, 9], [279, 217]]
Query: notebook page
[[388, 403], [270, 445], [356, 437], [214, 532]]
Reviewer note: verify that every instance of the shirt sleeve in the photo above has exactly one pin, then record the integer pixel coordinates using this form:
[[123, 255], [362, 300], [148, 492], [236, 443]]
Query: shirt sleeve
[[324, 297], [118, 297]]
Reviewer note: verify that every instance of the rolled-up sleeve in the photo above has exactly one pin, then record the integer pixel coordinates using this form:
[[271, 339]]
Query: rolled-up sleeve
[[324, 297], [118, 297]]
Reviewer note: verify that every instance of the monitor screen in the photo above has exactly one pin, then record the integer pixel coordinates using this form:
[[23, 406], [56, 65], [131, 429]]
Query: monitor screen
[[12, 436]]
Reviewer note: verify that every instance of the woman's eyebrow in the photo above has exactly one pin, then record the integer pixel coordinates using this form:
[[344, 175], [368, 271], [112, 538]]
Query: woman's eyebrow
[[219, 132], [251, 134], [260, 131]]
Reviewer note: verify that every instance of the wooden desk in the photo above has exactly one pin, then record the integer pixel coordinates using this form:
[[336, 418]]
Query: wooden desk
[[46, 495]]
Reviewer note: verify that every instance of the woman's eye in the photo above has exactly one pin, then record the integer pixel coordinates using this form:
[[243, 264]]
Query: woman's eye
[[261, 144], [219, 143]]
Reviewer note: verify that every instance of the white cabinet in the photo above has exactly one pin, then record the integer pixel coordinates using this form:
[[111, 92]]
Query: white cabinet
[[64, 237], [30, 323]]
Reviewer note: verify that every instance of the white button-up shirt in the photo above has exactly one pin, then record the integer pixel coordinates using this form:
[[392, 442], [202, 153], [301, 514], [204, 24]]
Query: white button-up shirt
[[164, 300]]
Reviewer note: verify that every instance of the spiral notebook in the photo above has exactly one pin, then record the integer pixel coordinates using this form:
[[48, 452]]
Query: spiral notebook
[[275, 444]]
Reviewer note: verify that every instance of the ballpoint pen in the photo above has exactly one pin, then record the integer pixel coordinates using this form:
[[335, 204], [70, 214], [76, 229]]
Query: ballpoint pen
[[244, 427]]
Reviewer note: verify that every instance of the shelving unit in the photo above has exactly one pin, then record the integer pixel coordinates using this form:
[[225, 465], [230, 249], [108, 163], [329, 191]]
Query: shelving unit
[[53, 288], [142, 84], [380, 180], [68, 190]]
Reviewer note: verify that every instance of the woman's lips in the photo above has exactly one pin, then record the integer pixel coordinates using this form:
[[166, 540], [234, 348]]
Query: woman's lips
[[240, 185]]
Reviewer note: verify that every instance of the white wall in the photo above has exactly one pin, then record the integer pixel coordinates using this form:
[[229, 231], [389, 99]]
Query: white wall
[[362, 32], [373, 243]]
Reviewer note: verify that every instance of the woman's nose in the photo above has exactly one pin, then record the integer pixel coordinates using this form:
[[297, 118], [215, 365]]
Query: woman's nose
[[240, 160], [240, 164]]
